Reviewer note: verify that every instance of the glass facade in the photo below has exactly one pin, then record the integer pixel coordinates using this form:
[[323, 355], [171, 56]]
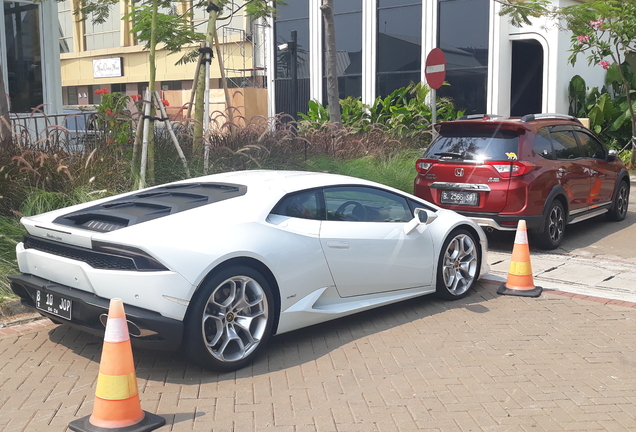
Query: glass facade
[[65, 18], [105, 35], [24, 56], [292, 16], [463, 36], [348, 23], [399, 44]]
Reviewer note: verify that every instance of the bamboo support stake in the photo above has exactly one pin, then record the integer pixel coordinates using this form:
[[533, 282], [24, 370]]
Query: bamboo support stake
[[144, 144], [164, 115]]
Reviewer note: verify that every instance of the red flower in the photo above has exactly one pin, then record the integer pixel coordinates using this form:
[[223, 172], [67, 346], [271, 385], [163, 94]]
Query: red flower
[[110, 140], [105, 91], [97, 92], [109, 112], [165, 103], [135, 97]]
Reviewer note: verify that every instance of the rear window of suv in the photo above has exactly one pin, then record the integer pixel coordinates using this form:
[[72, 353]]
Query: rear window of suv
[[476, 144]]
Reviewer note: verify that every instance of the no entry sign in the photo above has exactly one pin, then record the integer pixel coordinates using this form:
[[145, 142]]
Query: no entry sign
[[435, 71]]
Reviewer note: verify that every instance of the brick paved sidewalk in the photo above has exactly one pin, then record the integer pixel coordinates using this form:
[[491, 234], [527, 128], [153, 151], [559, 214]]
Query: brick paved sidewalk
[[484, 363]]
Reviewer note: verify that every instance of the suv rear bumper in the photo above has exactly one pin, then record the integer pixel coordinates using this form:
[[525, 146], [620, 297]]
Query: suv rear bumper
[[498, 222]]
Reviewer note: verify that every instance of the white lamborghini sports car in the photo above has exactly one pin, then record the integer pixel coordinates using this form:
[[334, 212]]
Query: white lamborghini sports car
[[218, 264]]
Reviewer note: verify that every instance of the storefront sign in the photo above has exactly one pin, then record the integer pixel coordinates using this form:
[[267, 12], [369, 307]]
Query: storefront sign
[[108, 68]]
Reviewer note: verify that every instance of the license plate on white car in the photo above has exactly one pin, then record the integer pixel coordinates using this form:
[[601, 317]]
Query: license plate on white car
[[54, 304], [459, 198]]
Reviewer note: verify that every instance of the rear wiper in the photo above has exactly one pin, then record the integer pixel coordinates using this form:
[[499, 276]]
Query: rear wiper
[[449, 155]]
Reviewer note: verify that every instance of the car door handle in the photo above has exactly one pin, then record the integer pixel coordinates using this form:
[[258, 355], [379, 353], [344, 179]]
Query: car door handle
[[338, 244]]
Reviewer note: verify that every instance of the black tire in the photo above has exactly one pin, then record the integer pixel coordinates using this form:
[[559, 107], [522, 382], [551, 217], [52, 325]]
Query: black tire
[[550, 235], [229, 320], [458, 265], [618, 211]]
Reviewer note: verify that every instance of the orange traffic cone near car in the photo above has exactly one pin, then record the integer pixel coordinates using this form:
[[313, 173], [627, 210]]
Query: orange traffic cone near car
[[117, 406], [520, 282]]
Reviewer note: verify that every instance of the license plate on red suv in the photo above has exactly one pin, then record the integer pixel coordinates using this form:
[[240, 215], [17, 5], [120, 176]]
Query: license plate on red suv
[[459, 198]]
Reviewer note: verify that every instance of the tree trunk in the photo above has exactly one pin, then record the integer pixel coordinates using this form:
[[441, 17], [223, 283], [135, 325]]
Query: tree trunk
[[199, 89], [198, 107], [5, 121], [151, 87], [332, 73]]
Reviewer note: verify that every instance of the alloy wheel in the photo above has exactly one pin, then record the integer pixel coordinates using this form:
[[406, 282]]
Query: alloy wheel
[[556, 224], [460, 264], [235, 319]]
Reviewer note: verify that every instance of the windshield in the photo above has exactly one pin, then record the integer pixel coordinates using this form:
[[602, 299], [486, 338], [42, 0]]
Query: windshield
[[477, 145]]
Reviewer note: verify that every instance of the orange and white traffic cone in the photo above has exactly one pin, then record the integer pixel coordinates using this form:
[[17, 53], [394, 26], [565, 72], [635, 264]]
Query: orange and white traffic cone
[[520, 281], [117, 406]]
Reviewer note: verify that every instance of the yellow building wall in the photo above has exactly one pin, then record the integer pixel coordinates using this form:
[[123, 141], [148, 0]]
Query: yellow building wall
[[77, 68]]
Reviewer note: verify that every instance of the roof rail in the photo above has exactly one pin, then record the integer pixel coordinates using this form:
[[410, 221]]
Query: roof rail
[[531, 117], [478, 116]]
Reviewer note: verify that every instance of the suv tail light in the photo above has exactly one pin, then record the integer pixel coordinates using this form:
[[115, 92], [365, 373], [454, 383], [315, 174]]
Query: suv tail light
[[518, 168], [423, 165]]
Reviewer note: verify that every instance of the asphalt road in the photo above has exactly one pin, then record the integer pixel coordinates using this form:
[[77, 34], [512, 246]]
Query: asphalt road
[[593, 238]]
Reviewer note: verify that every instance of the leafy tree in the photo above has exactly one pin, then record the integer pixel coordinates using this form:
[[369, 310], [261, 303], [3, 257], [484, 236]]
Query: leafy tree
[[152, 28], [172, 30], [219, 12], [604, 30]]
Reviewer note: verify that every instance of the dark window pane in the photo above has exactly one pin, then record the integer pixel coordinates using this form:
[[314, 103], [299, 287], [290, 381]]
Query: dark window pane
[[171, 85], [292, 10], [293, 16], [362, 204], [479, 144], [345, 6], [120, 88], [390, 3], [71, 96], [590, 146], [400, 39], [565, 146], [284, 57], [542, 144], [399, 49], [24, 58], [349, 45], [304, 205], [466, 51], [388, 82]]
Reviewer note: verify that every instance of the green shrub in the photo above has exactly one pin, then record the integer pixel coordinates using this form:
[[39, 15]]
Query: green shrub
[[403, 113], [607, 107], [10, 234]]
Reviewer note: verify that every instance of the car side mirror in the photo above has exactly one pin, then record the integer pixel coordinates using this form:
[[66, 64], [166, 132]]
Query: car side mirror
[[422, 216], [611, 155]]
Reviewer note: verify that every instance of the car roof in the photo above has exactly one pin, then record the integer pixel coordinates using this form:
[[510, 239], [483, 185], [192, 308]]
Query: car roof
[[528, 122], [280, 180]]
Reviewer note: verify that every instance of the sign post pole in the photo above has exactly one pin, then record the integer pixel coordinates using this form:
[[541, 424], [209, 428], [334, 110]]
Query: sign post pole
[[435, 74]]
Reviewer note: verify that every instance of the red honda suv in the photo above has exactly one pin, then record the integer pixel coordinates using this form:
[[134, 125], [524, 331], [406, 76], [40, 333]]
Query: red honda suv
[[547, 169]]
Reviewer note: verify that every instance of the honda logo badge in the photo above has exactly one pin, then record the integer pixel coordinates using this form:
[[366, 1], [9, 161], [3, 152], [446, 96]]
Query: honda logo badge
[[459, 172]]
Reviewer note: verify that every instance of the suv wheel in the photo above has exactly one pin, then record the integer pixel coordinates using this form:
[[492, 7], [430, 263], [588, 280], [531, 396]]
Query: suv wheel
[[621, 200], [550, 235]]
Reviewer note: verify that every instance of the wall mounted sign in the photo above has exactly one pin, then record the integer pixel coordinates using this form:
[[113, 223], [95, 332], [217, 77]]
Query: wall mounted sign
[[108, 67]]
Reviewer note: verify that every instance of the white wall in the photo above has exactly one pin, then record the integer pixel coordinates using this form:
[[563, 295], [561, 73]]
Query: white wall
[[557, 72]]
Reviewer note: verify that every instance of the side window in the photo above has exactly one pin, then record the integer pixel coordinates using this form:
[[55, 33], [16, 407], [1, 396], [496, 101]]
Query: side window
[[590, 146], [365, 204], [565, 146], [543, 145], [304, 205]]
